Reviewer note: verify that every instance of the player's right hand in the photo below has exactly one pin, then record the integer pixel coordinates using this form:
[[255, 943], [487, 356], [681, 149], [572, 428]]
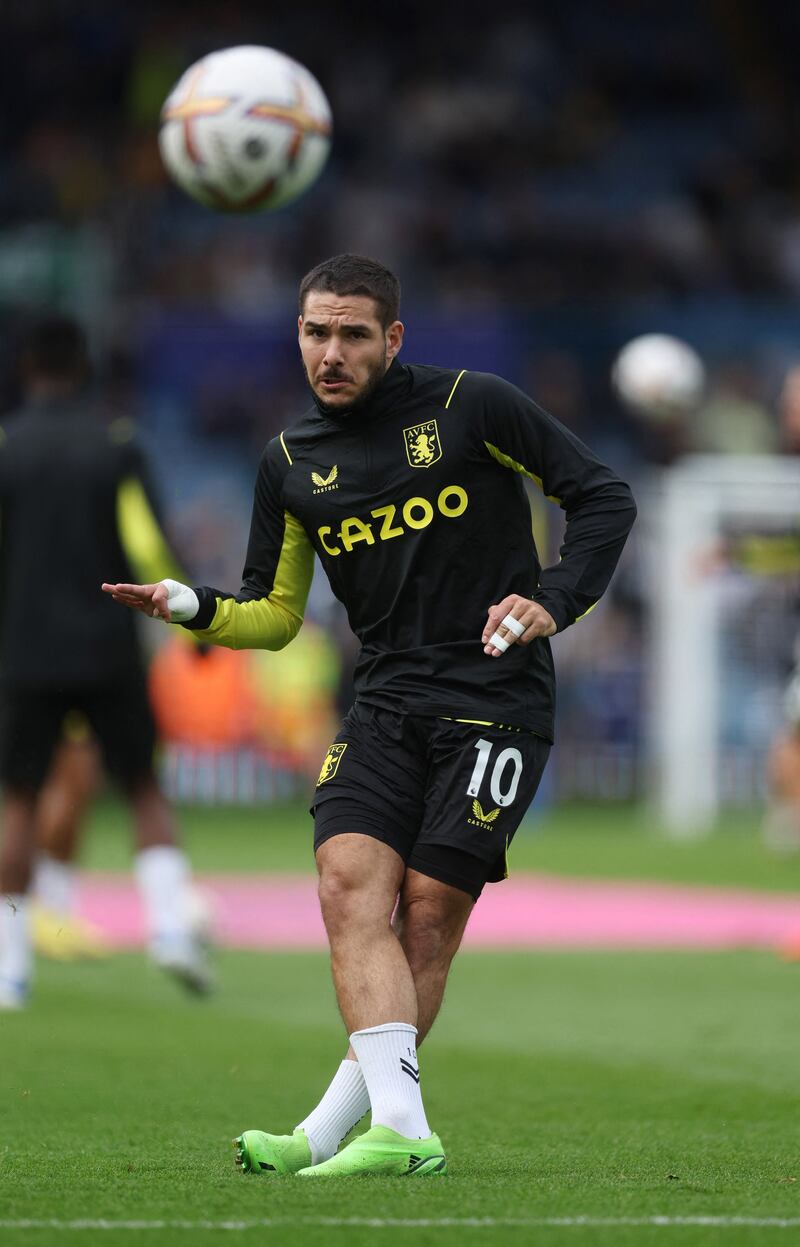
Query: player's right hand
[[152, 599], [168, 599]]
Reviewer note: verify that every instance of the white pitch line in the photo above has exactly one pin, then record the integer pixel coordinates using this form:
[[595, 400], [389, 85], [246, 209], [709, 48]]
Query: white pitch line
[[388, 1223]]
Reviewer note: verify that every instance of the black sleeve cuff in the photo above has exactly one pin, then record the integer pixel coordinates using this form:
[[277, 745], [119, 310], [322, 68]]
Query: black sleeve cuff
[[554, 602], [208, 609]]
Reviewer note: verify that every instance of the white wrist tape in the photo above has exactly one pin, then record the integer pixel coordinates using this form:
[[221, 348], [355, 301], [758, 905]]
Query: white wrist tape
[[513, 625], [182, 601], [499, 642]]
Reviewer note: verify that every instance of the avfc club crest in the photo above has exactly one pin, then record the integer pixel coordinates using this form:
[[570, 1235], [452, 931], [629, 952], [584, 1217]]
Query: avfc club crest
[[423, 447], [331, 763]]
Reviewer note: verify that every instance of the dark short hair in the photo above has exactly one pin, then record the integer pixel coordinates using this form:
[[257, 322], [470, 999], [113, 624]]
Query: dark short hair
[[55, 347], [356, 274]]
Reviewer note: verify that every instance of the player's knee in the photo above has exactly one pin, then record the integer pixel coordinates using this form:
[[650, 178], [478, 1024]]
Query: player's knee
[[425, 933], [340, 897]]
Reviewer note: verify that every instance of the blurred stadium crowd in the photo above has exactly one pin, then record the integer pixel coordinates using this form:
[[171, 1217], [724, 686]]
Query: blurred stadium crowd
[[546, 180]]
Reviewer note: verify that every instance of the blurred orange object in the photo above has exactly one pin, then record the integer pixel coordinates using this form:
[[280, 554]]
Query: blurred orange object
[[203, 699]]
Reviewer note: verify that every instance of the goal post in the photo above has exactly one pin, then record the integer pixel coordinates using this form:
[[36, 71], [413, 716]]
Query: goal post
[[694, 595]]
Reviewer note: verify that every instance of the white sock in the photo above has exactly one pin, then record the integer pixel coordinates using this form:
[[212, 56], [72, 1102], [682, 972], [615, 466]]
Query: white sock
[[343, 1104], [16, 960], [163, 876], [54, 885], [388, 1059]]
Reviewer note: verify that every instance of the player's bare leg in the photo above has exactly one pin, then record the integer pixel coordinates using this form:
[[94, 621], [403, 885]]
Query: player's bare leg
[[163, 874], [16, 865], [63, 802], [60, 814], [360, 879], [154, 822], [16, 854], [781, 827], [359, 882], [430, 922]]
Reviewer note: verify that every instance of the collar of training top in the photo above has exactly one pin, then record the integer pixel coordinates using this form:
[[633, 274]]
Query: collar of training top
[[396, 382]]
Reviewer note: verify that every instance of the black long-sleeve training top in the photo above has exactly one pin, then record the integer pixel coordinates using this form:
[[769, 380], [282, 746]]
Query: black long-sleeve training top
[[416, 509], [76, 508]]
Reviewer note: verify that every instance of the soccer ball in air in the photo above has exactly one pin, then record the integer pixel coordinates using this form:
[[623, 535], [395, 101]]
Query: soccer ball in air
[[659, 377], [245, 129]]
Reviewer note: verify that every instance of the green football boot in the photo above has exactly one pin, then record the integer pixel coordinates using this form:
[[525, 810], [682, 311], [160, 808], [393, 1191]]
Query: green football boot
[[381, 1151], [257, 1152]]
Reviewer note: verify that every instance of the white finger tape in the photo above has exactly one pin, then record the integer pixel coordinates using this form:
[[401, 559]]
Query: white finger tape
[[182, 601], [499, 642], [513, 625]]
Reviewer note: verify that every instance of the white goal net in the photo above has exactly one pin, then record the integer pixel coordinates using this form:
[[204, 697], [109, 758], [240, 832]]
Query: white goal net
[[725, 592]]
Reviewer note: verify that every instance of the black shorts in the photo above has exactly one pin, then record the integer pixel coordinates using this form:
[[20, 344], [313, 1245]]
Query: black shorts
[[33, 722], [446, 795]]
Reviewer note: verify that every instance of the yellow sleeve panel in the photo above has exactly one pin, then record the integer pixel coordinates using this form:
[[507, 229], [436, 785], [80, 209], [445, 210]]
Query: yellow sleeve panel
[[270, 622], [142, 540], [506, 461]]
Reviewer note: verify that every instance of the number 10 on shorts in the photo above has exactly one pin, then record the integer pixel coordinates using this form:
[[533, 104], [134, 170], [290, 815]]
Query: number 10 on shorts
[[505, 759]]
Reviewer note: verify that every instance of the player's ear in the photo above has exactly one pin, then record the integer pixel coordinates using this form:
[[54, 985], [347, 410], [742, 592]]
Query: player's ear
[[299, 326], [394, 338]]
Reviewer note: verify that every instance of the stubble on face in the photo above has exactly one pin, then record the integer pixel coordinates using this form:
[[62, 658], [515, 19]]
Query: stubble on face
[[361, 398]]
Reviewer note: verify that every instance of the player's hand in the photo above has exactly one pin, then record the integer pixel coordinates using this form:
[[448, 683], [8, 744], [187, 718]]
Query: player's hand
[[151, 599], [527, 620], [168, 600]]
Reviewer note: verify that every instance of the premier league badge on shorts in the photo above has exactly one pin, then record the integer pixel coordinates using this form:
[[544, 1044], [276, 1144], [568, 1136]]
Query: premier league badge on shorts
[[331, 763], [423, 447]]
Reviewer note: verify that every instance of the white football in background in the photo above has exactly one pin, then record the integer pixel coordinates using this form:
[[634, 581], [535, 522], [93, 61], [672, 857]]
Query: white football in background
[[658, 376], [245, 129]]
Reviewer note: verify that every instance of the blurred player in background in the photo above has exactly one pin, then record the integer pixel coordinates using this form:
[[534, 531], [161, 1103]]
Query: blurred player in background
[[74, 498], [406, 482], [782, 819], [74, 777]]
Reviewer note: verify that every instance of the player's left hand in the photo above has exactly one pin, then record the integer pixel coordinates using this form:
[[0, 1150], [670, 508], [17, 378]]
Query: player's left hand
[[529, 621]]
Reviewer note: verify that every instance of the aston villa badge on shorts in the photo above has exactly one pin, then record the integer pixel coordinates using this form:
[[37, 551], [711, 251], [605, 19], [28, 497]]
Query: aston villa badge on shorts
[[423, 447], [331, 763]]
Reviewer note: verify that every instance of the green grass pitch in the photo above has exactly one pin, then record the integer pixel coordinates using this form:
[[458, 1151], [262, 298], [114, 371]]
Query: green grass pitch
[[613, 1087]]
